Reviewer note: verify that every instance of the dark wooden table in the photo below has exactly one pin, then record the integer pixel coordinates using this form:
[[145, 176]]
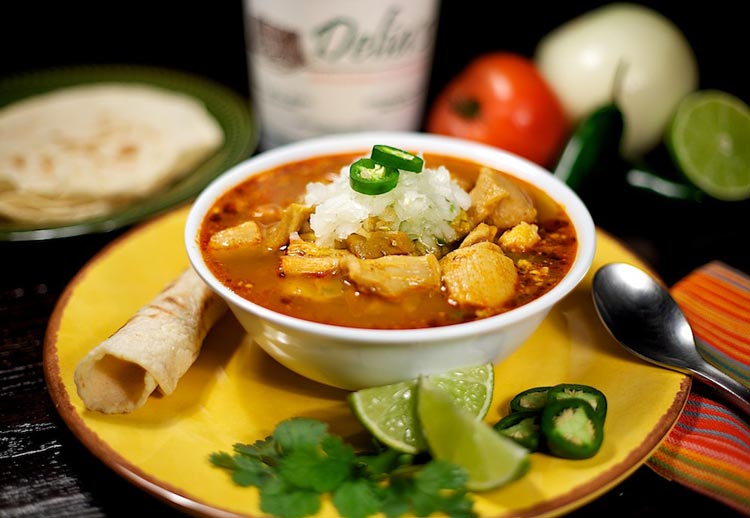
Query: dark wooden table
[[45, 471]]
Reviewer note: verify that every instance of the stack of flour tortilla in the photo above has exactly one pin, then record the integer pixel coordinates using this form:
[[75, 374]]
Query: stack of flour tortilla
[[85, 151]]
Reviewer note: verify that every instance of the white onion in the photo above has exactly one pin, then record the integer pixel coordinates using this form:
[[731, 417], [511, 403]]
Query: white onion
[[580, 58]]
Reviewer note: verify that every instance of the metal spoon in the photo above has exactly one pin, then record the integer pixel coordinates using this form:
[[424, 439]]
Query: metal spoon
[[644, 318]]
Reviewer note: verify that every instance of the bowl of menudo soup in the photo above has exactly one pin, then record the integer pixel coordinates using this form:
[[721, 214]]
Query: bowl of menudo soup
[[366, 259]]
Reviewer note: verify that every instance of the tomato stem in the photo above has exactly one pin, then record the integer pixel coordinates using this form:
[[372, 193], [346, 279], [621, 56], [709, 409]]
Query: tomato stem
[[466, 108]]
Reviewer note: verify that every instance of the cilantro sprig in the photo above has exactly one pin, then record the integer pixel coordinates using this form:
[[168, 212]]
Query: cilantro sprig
[[300, 462]]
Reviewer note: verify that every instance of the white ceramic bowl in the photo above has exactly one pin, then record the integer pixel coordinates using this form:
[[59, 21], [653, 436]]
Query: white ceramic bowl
[[352, 358]]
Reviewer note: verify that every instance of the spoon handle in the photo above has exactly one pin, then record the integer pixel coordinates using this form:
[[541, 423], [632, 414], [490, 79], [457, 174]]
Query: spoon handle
[[733, 391]]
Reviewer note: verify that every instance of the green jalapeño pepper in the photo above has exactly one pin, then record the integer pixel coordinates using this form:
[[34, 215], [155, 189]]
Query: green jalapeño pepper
[[396, 158], [532, 399], [522, 427], [571, 428], [367, 176], [593, 149], [594, 397]]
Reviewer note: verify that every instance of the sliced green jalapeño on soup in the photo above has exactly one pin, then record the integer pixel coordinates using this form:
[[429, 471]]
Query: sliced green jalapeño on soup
[[379, 173], [367, 176], [396, 158]]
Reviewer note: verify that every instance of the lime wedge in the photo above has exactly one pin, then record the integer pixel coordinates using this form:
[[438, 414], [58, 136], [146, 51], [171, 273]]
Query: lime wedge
[[709, 139], [389, 412], [490, 459]]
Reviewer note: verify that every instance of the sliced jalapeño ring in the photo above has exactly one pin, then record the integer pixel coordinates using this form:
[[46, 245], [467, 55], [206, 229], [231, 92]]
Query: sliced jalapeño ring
[[397, 158], [367, 176]]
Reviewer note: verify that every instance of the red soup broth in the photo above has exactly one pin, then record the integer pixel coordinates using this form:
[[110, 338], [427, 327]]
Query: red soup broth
[[258, 277]]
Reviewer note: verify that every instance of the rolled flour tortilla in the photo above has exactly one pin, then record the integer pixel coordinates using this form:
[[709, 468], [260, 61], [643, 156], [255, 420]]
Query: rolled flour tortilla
[[153, 349]]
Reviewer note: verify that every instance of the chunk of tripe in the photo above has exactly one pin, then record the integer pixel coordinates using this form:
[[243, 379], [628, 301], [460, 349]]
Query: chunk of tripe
[[482, 232], [292, 218], [479, 276], [307, 258], [247, 234], [520, 238], [498, 201], [393, 275], [251, 235]]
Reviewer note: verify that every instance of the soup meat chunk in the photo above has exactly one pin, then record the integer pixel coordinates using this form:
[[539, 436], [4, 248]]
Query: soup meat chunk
[[393, 276], [497, 200], [508, 246], [479, 275]]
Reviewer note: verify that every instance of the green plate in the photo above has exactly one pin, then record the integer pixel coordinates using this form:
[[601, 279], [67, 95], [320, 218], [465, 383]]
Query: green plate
[[232, 112]]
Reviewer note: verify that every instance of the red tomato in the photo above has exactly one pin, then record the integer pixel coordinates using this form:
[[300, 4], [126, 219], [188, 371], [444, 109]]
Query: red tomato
[[501, 99]]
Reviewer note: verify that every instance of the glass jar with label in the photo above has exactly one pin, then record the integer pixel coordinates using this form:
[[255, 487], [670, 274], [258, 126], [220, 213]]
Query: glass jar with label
[[335, 66]]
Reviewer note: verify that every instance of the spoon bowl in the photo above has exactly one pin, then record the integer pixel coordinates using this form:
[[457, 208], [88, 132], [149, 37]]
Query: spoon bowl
[[644, 318]]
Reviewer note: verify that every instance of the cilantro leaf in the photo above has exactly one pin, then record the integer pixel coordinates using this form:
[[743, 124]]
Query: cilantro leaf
[[300, 462], [458, 505], [281, 499], [266, 450], [222, 459], [439, 486], [384, 462], [299, 432], [395, 498], [356, 498], [436, 486], [439, 474], [322, 469], [250, 471], [246, 471]]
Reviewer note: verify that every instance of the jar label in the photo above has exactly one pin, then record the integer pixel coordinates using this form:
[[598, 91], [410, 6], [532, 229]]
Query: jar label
[[338, 66]]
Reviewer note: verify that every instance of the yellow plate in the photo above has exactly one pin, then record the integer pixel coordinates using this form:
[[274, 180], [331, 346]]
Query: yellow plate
[[236, 393]]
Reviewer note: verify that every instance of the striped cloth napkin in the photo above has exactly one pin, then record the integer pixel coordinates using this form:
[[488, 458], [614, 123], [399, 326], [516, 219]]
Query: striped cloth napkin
[[708, 449]]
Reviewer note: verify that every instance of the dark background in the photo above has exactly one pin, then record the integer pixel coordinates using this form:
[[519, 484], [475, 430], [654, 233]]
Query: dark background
[[207, 38], [45, 471]]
